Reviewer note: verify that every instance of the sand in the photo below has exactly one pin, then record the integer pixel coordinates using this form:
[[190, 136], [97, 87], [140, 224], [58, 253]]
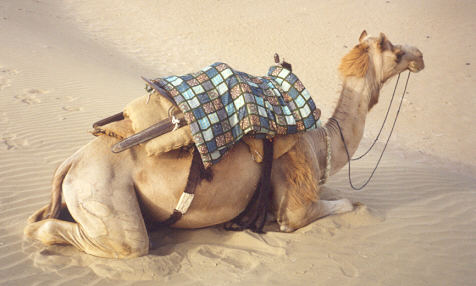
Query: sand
[[66, 64]]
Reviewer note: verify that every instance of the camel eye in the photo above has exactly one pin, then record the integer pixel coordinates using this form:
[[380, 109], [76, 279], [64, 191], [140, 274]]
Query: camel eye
[[398, 56]]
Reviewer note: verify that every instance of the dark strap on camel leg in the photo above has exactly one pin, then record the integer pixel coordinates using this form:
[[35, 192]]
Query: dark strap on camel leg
[[115, 117], [173, 218], [265, 193], [197, 173], [255, 214]]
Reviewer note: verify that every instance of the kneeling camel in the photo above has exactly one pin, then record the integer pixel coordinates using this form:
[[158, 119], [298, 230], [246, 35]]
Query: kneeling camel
[[108, 195]]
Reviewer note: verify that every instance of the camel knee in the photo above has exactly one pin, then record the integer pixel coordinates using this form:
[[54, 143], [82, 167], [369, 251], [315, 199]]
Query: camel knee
[[291, 220], [121, 249], [118, 250], [110, 246], [133, 252]]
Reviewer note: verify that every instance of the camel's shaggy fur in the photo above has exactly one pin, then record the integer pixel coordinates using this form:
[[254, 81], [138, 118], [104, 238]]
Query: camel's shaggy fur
[[300, 177], [356, 62]]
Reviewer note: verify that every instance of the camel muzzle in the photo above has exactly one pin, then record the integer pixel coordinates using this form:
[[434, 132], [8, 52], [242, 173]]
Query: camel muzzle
[[416, 66]]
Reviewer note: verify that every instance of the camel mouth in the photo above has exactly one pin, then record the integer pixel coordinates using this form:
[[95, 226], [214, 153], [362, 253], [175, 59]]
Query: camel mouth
[[416, 66]]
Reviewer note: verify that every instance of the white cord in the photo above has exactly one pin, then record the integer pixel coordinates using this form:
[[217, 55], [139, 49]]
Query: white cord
[[176, 122]]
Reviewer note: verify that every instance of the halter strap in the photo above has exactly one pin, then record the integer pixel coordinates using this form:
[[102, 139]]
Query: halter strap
[[328, 158]]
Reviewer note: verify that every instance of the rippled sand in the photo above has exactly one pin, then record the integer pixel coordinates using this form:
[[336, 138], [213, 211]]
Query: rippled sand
[[66, 64]]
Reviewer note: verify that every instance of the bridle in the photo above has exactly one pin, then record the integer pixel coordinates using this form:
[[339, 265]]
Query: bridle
[[326, 174]]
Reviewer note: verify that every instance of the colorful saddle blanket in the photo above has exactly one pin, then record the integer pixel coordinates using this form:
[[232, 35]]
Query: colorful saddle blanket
[[221, 105]]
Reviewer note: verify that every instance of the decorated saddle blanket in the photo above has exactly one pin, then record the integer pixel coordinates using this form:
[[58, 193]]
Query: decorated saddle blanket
[[222, 104]]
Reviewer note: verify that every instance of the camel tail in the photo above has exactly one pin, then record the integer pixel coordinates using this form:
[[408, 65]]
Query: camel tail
[[56, 190]]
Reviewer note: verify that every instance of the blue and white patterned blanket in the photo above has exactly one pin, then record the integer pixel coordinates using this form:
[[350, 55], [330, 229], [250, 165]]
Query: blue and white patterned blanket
[[221, 105]]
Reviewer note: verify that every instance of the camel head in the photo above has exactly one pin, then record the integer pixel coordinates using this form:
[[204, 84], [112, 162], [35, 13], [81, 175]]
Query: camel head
[[377, 59]]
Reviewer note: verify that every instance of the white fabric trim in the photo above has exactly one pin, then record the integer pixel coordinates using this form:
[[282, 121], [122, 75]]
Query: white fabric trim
[[184, 202]]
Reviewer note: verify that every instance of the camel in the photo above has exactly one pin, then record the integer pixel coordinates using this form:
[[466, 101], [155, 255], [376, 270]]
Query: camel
[[110, 196]]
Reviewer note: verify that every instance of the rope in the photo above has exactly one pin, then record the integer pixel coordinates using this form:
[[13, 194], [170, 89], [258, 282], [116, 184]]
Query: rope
[[384, 148], [381, 127]]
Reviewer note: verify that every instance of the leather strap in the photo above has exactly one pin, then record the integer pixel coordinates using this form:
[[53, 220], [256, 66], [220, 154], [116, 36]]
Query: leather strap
[[153, 131]]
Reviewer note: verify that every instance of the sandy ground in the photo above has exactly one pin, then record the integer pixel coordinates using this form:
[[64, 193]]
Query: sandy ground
[[66, 64]]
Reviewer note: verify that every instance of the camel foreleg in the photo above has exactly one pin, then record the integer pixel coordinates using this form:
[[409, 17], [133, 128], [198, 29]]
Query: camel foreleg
[[290, 219], [295, 178], [297, 205]]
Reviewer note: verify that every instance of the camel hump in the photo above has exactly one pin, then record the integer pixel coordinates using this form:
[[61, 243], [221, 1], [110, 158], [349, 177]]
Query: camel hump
[[281, 145], [145, 114]]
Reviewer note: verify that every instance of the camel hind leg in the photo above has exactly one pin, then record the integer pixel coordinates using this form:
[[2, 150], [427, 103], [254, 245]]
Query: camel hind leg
[[100, 228], [101, 198]]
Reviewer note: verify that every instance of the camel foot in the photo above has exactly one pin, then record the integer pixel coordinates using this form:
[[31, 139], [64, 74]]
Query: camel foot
[[43, 231], [341, 206], [295, 219]]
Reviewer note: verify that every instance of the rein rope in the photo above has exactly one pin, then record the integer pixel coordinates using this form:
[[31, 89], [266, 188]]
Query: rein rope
[[383, 124], [386, 143]]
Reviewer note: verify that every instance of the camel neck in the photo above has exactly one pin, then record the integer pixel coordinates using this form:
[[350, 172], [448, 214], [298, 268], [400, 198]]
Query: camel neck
[[351, 112]]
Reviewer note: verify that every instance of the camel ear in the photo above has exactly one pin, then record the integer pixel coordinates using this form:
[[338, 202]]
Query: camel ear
[[382, 39], [362, 36], [384, 43]]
